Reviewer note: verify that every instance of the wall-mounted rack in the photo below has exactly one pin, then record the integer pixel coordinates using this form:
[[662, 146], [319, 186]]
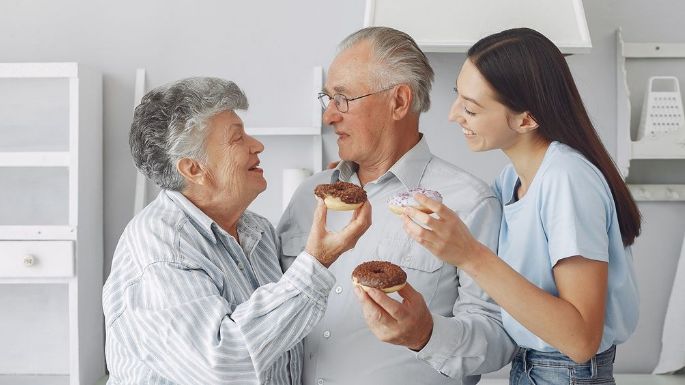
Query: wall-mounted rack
[[670, 145]]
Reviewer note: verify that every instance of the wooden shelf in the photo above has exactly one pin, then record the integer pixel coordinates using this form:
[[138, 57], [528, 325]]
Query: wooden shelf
[[657, 192], [268, 131], [35, 159], [19, 379], [38, 233], [39, 70]]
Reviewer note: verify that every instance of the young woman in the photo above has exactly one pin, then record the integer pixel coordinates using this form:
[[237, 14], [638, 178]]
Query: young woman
[[563, 274]]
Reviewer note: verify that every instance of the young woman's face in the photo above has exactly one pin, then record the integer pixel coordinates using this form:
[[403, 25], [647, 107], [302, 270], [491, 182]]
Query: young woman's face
[[486, 123]]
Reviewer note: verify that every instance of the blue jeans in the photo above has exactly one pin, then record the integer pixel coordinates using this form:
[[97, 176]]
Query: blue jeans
[[531, 367]]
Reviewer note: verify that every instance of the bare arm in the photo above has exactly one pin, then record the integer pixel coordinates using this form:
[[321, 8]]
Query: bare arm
[[572, 322]]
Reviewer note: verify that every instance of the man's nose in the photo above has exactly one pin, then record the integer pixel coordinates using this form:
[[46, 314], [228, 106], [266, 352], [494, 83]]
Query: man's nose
[[331, 114]]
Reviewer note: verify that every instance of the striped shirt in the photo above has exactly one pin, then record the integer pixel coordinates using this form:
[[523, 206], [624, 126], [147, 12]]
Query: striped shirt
[[185, 303]]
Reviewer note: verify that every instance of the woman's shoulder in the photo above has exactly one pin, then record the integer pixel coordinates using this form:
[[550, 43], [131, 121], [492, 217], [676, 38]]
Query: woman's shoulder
[[564, 161]]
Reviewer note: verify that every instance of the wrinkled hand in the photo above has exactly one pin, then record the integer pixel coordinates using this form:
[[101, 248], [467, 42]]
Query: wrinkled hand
[[326, 246], [446, 237], [408, 323]]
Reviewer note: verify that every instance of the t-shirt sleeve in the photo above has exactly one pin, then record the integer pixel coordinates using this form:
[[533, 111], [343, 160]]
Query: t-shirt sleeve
[[576, 208]]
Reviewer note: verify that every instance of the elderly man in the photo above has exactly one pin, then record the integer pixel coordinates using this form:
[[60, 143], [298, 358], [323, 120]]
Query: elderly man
[[196, 294], [446, 330]]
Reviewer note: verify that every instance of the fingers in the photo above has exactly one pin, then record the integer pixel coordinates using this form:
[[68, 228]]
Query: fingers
[[421, 217], [392, 308], [421, 235], [408, 293], [373, 313], [434, 205], [360, 222], [319, 220]]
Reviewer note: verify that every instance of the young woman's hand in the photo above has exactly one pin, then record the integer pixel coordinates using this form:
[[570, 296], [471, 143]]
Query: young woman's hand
[[446, 236]]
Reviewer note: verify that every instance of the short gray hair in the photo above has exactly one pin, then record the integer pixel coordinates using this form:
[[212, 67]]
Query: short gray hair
[[400, 61], [171, 123]]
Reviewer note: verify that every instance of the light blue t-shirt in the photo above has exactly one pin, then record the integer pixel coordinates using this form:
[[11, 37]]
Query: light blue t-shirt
[[568, 210]]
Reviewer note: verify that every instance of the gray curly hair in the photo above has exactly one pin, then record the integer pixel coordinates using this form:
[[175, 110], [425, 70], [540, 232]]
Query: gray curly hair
[[171, 123], [399, 59]]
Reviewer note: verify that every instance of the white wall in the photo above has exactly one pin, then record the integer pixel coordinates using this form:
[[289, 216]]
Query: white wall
[[269, 49]]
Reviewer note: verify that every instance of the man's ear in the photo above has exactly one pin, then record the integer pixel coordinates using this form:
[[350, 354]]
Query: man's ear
[[524, 123], [402, 101], [192, 171]]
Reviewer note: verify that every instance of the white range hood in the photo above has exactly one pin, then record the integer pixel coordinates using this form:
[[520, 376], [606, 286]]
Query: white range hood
[[455, 25]]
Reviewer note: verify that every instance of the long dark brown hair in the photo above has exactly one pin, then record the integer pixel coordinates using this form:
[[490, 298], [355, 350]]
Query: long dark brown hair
[[529, 73]]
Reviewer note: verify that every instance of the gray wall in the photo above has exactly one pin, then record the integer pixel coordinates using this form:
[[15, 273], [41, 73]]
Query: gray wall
[[269, 48]]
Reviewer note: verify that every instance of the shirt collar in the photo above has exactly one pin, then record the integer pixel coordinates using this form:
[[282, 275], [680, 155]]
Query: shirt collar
[[206, 225], [200, 220], [408, 169]]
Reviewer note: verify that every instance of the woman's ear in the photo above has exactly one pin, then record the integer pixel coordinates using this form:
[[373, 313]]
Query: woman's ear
[[402, 101], [524, 122], [191, 171]]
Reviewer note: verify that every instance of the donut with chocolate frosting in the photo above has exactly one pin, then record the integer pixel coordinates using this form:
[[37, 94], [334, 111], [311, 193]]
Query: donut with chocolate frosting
[[341, 196], [381, 275], [399, 201]]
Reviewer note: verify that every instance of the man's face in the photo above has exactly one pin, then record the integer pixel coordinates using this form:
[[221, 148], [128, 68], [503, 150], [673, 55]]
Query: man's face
[[232, 159], [361, 128]]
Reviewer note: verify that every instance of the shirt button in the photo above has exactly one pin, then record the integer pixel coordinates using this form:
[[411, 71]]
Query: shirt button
[[326, 334], [320, 381], [241, 266], [338, 290]]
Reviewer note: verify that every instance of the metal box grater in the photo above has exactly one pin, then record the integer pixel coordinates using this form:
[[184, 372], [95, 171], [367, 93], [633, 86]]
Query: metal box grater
[[662, 109]]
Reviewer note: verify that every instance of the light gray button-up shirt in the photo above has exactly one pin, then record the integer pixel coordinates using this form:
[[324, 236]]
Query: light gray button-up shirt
[[187, 304], [468, 338]]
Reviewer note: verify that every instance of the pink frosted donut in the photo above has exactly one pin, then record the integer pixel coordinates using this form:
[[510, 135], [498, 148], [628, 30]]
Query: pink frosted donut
[[399, 201]]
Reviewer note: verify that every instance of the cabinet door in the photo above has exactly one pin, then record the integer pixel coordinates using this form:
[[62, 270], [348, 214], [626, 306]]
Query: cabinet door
[[34, 196], [37, 152], [34, 115]]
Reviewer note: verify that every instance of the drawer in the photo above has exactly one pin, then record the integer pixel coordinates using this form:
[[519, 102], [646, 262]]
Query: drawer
[[20, 259]]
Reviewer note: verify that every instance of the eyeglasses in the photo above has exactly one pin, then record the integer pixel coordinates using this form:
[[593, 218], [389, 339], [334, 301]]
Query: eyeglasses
[[341, 101]]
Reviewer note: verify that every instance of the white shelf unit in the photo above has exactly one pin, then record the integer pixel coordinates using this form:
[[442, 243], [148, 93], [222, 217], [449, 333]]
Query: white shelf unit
[[670, 147], [51, 234], [313, 131]]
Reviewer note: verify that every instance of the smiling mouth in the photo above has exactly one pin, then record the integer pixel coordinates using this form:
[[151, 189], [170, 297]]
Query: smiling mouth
[[255, 167], [468, 132]]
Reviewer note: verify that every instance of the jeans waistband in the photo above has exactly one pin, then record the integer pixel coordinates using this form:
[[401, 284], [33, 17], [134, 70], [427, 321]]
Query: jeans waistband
[[556, 358]]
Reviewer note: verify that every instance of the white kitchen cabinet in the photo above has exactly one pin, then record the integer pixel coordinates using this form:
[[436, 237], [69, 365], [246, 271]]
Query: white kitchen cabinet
[[51, 234]]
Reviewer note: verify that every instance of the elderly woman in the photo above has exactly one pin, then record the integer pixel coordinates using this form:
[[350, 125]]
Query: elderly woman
[[196, 294]]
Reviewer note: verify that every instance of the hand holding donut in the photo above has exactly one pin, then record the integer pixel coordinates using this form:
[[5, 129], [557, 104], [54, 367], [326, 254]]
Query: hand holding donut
[[446, 237], [326, 246], [408, 323]]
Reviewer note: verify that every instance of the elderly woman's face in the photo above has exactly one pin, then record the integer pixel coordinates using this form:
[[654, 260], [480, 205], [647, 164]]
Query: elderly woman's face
[[232, 159]]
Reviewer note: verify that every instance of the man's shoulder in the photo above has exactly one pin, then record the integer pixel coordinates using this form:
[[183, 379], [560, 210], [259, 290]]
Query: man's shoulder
[[451, 179], [304, 195], [298, 215]]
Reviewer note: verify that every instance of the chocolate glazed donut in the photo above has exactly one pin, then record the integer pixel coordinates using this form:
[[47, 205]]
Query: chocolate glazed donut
[[341, 196], [381, 275]]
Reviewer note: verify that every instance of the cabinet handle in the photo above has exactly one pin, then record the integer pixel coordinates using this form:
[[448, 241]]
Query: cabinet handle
[[28, 260]]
